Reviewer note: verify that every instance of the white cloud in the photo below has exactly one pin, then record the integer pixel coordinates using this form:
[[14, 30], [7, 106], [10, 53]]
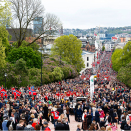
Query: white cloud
[[90, 13]]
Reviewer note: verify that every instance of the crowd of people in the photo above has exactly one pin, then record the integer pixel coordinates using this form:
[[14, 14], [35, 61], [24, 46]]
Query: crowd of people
[[55, 102]]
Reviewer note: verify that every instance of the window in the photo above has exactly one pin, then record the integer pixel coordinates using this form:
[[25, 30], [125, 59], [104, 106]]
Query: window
[[87, 64], [87, 58]]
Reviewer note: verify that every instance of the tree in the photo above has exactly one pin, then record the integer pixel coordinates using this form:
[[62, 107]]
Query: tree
[[124, 74], [126, 54], [4, 36], [5, 13], [34, 45], [32, 58], [69, 49], [121, 57], [2, 55], [103, 48], [25, 11], [117, 59], [58, 73]]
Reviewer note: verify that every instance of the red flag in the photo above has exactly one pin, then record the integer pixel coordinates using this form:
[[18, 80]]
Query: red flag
[[58, 94], [3, 93], [18, 93], [68, 94], [32, 92], [13, 90], [98, 62]]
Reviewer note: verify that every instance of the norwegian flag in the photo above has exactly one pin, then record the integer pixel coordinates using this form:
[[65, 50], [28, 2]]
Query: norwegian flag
[[13, 90], [3, 93], [18, 93], [32, 92]]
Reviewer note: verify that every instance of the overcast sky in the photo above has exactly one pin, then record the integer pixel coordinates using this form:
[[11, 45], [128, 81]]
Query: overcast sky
[[86, 14]]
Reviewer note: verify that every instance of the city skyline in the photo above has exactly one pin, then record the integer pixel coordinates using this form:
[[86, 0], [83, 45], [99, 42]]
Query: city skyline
[[87, 14]]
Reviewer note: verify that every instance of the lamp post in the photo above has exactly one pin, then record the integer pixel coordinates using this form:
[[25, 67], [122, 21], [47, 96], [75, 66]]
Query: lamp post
[[41, 69], [5, 79], [41, 66]]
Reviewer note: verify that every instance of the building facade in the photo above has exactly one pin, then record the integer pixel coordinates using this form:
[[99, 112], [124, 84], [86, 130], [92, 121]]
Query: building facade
[[38, 25], [109, 46], [88, 59]]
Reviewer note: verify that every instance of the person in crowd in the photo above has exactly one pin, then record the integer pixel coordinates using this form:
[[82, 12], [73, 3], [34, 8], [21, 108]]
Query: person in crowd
[[66, 126], [115, 117], [35, 121], [89, 119], [4, 123], [37, 127], [46, 128], [29, 127], [78, 128], [59, 126], [68, 112], [20, 125], [127, 126], [79, 113], [97, 116], [119, 112], [123, 123]]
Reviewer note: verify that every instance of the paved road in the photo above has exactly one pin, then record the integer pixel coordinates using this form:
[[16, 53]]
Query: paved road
[[73, 125]]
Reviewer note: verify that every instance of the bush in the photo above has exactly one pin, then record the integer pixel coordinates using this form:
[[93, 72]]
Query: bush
[[58, 73], [32, 58]]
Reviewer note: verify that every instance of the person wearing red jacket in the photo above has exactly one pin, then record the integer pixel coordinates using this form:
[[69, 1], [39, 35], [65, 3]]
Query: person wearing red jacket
[[56, 116], [35, 121], [46, 128]]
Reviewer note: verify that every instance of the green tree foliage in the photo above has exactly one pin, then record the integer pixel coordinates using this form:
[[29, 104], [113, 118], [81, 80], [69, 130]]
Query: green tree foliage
[[103, 48], [32, 58], [124, 74], [126, 54], [34, 76], [2, 55], [69, 49], [58, 73], [121, 57], [117, 59], [49, 64], [4, 36], [5, 12], [34, 45], [18, 74]]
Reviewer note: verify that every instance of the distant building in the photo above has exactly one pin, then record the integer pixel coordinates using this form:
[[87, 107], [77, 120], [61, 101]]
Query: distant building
[[119, 45], [88, 59], [49, 40], [123, 39], [38, 25], [30, 39], [109, 46], [107, 37], [84, 41], [15, 33], [102, 35], [88, 43]]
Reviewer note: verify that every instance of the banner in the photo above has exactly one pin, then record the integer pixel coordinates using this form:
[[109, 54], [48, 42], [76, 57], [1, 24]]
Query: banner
[[92, 86]]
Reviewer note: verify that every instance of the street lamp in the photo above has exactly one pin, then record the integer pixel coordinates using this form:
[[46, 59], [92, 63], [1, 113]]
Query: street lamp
[[5, 79], [41, 66]]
